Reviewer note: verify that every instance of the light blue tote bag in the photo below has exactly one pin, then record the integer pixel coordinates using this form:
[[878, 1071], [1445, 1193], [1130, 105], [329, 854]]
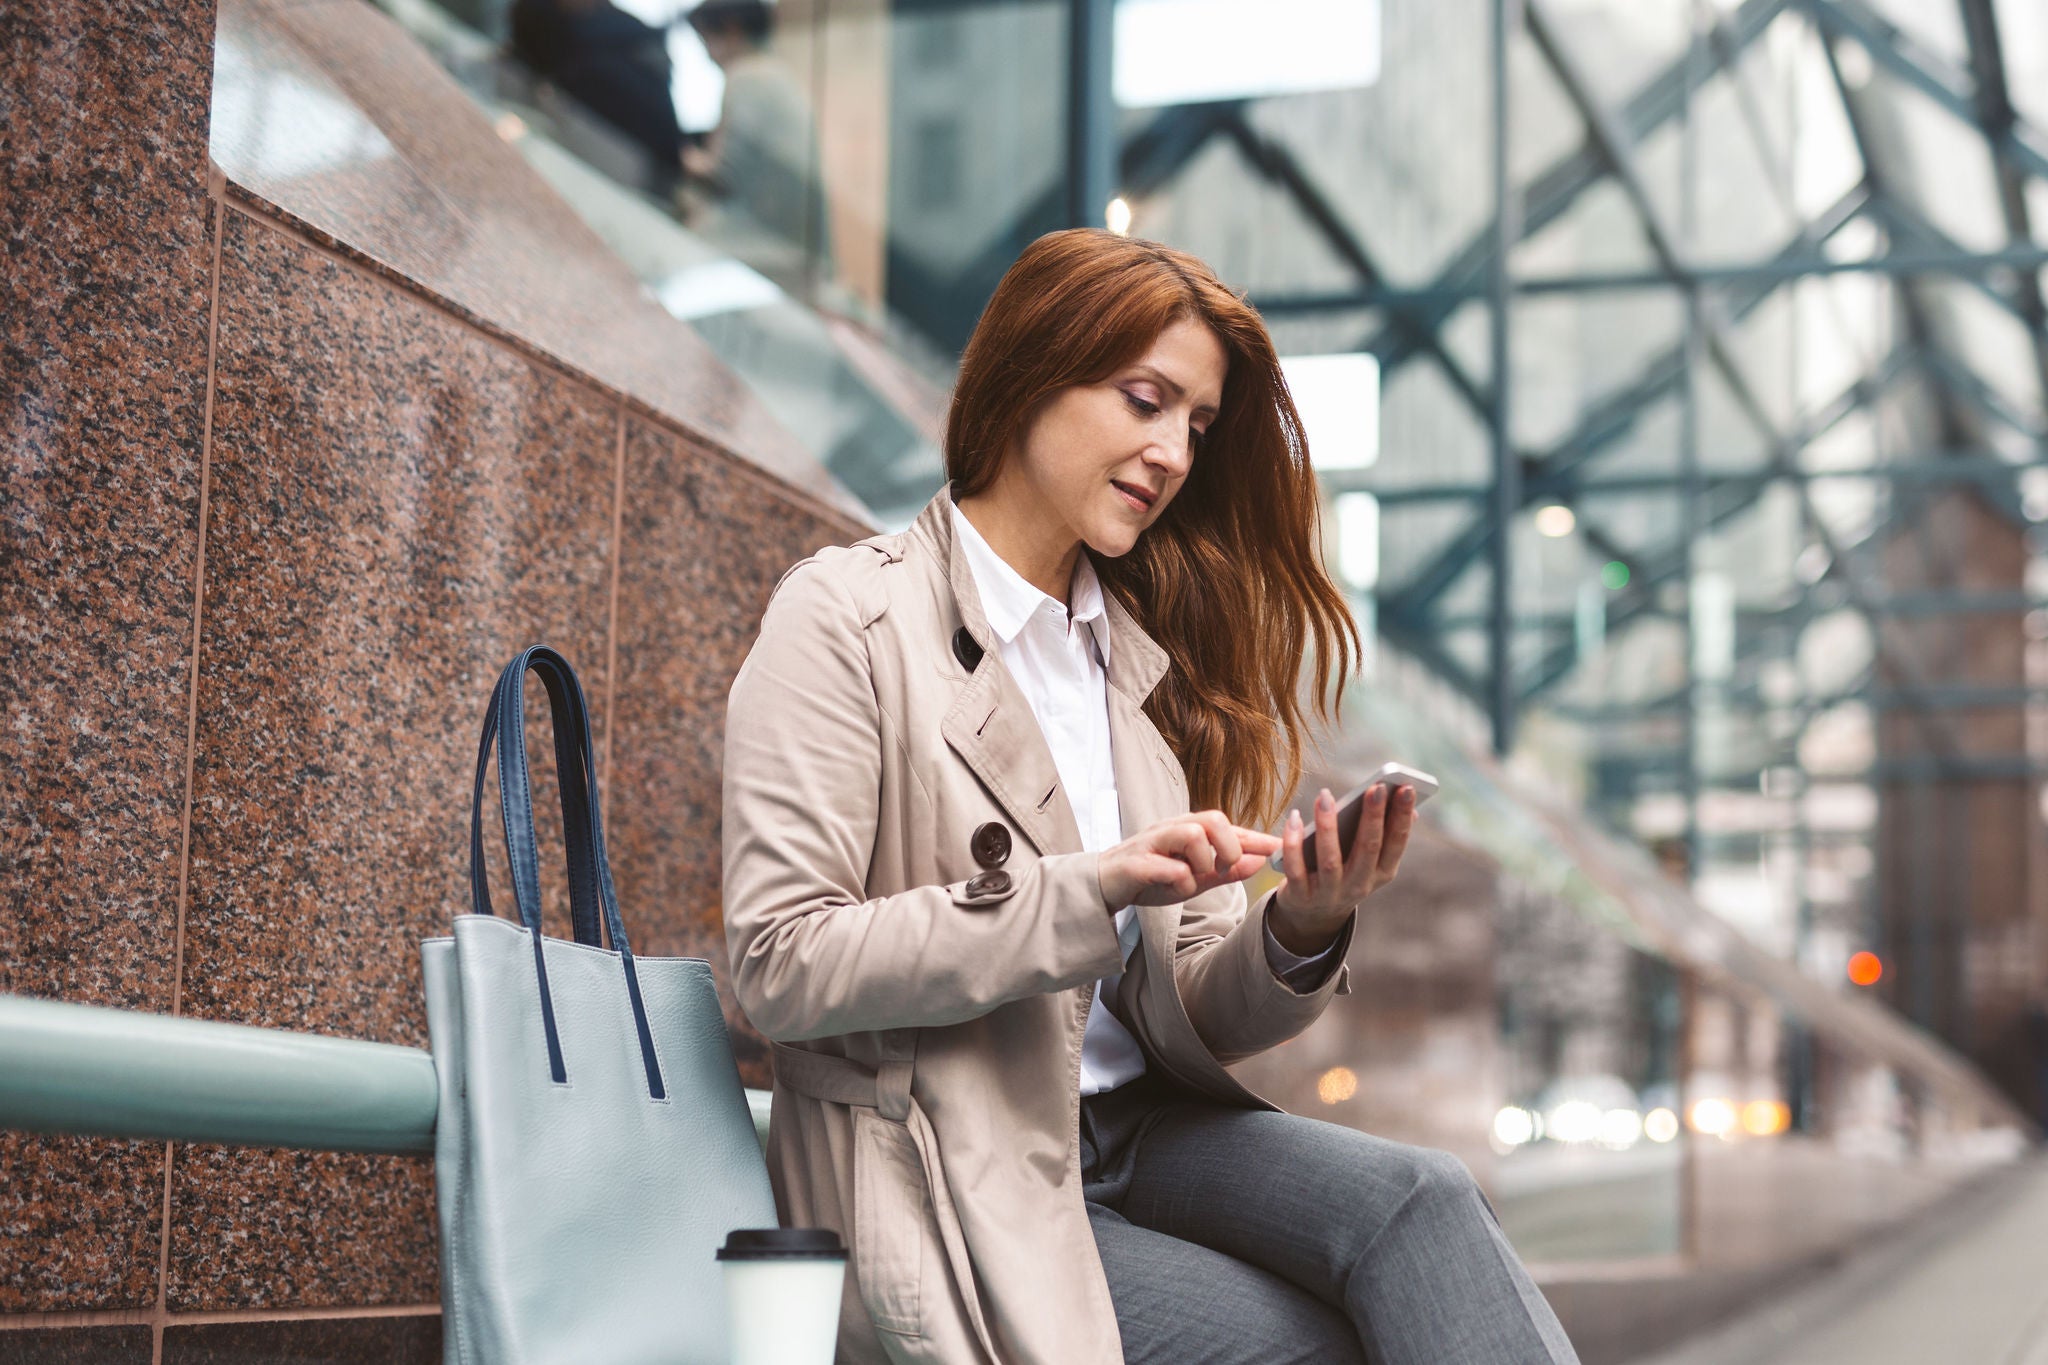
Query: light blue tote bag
[[593, 1145]]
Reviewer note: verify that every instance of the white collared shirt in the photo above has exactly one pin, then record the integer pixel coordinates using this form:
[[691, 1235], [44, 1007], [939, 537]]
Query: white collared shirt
[[1064, 674]]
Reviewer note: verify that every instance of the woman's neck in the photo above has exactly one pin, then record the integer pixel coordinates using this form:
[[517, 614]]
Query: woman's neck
[[1027, 538]]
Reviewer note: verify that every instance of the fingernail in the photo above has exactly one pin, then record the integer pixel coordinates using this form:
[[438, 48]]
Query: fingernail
[[1324, 800], [1379, 793], [1294, 822], [1407, 796]]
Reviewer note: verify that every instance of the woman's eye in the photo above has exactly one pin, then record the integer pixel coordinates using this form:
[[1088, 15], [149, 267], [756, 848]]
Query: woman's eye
[[1139, 405], [1196, 438]]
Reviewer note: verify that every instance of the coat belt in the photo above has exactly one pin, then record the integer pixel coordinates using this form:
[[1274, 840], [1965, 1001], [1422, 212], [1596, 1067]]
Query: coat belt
[[840, 1080]]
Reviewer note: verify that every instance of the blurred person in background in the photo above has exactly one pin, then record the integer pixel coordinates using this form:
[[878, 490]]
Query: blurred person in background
[[614, 65], [761, 162]]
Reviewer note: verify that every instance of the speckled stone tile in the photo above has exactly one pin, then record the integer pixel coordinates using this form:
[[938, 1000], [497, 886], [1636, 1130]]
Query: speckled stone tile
[[103, 227], [395, 163], [398, 503], [75, 1346], [700, 550], [274, 1229], [410, 1340]]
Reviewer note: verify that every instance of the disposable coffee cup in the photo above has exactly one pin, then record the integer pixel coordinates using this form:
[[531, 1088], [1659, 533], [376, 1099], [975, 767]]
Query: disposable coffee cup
[[782, 1288]]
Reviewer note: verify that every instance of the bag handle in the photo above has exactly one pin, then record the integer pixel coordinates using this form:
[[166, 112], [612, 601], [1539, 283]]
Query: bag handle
[[593, 909], [593, 901]]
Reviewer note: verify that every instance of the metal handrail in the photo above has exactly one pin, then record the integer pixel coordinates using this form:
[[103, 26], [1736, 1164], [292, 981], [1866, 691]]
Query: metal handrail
[[68, 1068]]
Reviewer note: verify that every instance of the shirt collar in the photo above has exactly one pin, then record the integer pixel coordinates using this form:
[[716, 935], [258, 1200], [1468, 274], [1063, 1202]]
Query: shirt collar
[[1009, 599]]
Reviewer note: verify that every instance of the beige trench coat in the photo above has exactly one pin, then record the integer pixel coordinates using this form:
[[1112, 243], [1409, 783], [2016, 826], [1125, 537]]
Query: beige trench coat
[[927, 1034]]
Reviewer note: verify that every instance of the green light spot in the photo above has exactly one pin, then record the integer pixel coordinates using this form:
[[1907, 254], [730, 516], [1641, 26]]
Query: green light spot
[[1614, 575]]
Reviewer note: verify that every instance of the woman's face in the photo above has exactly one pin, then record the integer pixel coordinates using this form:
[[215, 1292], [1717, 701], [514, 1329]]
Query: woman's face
[[1106, 458]]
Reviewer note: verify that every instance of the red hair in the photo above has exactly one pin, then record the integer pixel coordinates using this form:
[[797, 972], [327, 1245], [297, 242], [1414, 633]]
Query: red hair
[[1230, 579]]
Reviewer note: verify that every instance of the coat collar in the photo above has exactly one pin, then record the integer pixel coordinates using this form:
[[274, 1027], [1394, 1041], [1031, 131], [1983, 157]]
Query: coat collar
[[991, 724], [1136, 662]]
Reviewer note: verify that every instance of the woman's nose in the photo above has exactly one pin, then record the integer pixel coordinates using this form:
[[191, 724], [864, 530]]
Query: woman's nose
[[1171, 457]]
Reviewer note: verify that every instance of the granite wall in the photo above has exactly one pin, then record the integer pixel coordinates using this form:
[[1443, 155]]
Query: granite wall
[[302, 440]]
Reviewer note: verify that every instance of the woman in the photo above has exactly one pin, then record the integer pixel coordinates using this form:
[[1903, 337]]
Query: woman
[[982, 894]]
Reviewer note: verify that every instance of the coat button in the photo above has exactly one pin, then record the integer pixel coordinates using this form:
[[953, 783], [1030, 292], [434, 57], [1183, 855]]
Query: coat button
[[991, 845], [966, 650], [988, 884]]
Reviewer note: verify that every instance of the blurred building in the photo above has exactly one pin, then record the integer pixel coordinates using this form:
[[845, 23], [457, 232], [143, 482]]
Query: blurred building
[[1696, 534]]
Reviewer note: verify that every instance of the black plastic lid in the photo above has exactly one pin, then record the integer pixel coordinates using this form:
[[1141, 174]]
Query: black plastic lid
[[782, 1244]]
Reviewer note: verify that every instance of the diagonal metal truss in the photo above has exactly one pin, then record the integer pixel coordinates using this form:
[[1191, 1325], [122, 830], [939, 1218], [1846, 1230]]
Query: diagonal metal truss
[[1969, 412]]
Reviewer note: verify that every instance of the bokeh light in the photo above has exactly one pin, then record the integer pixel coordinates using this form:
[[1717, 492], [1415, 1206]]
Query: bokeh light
[[1866, 969], [1514, 1126], [1337, 1085], [1765, 1118], [1714, 1117]]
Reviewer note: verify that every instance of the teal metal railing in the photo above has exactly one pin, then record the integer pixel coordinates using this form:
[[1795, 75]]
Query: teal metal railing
[[68, 1068]]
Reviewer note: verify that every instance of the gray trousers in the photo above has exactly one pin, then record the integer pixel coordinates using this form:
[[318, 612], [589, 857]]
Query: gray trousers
[[1243, 1237]]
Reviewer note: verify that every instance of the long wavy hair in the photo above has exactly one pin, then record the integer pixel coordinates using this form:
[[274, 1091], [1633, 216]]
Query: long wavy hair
[[1230, 579]]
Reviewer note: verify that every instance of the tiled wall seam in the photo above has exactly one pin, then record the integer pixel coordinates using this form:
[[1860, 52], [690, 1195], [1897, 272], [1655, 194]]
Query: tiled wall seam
[[163, 1257], [144, 1317], [611, 629]]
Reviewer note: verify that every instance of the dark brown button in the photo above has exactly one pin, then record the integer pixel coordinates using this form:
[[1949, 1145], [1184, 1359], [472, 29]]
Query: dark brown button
[[966, 650], [991, 844], [988, 884]]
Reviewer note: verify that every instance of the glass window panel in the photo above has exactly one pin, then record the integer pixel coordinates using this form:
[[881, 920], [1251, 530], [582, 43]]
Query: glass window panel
[[1544, 128], [1742, 212], [1649, 446], [2023, 37], [1404, 161], [1413, 534], [1262, 242], [1825, 161], [1428, 433], [1941, 165], [1621, 45], [1646, 524], [1186, 51], [1572, 355], [1936, 28], [1995, 344]]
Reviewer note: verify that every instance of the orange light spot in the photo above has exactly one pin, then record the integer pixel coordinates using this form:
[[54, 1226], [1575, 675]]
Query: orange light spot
[[1865, 969], [1337, 1085], [1765, 1118]]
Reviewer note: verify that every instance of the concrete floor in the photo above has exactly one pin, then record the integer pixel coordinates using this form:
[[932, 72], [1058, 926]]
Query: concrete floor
[[1966, 1284]]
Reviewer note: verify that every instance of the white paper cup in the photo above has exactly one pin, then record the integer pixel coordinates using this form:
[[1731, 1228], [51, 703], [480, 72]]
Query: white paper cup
[[782, 1289]]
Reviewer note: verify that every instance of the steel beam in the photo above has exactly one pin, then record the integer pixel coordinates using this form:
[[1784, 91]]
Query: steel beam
[[1929, 467], [1893, 49], [1610, 420], [1550, 194], [1998, 120], [1091, 111], [1507, 462]]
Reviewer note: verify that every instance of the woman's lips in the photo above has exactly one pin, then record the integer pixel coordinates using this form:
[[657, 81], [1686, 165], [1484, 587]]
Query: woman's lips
[[1138, 498]]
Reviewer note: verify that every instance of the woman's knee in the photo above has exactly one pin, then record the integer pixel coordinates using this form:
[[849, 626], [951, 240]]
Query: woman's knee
[[1438, 1177]]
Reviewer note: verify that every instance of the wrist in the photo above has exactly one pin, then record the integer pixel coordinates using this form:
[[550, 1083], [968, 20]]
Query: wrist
[[1303, 940]]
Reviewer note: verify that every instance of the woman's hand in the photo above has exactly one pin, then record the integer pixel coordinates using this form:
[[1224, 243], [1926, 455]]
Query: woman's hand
[[1311, 908], [1177, 860]]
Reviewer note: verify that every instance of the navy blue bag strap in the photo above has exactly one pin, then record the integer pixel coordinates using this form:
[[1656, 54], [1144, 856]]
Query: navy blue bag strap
[[593, 900], [577, 777]]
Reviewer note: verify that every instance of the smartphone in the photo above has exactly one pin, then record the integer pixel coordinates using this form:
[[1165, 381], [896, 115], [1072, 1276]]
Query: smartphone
[[1352, 804]]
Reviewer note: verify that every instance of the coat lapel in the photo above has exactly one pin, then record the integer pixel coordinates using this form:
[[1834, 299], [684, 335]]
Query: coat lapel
[[990, 724]]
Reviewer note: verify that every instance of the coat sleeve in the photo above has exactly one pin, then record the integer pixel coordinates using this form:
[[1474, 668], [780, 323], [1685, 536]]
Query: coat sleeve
[[1237, 1003], [812, 955]]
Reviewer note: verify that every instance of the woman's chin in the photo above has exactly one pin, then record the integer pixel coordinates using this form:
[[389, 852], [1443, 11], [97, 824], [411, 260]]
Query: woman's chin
[[1114, 542]]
